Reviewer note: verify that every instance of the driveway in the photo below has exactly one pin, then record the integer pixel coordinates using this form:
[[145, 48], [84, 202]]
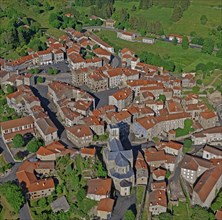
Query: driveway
[[24, 213]]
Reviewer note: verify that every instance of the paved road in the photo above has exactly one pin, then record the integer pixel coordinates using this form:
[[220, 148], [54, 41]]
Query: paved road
[[6, 152], [11, 176], [102, 98], [122, 205], [63, 67], [24, 213]]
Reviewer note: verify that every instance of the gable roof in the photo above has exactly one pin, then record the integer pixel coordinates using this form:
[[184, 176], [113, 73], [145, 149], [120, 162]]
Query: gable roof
[[99, 186], [105, 205], [207, 181]]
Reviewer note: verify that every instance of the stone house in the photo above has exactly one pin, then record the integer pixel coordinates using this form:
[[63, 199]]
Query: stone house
[[122, 98], [210, 152], [105, 208], [157, 202], [208, 119], [207, 187], [207, 136], [17, 126], [80, 135], [142, 173], [125, 35], [192, 167], [47, 130], [98, 189]]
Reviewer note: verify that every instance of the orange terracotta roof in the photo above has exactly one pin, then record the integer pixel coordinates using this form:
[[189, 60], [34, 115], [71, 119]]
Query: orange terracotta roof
[[80, 130], [159, 172], [89, 151], [122, 94], [105, 205], [102, 52], [158, 198], [120, 116], [160, 185], [17, 122], [208, 114], [206, 183], [99, 186]]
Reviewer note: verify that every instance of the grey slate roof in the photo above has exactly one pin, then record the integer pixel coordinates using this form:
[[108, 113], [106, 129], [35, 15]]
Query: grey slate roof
[[60, 204]]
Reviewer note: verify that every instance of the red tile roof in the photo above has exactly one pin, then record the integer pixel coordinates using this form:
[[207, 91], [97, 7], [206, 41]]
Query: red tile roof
[[105, 205]]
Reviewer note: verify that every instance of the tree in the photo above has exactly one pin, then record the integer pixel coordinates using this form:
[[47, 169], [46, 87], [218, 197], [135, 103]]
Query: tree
[[78, 27], [162, 98], [174, 41], [80, 194], [188, 123], [219, 53], [185, 43], [133, 8], [203, 19], [34, 145], [42, 202], [95, 46], [101, 171], [18, 141], [168, 173], [40, 79], [196, 89], [187, 145], [129, 215], [145, 4], [199, 213], [199, 82], [34, 71], [217, 203], [177, 14], [13, 195], [208, 46], [201, 66], [10, 89], [165, 216]]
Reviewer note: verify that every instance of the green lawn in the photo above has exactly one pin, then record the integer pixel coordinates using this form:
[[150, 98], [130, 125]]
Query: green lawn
[[187, 59], [139, 195], [181, 212], [7, 212], [2, 161], [190, 21]]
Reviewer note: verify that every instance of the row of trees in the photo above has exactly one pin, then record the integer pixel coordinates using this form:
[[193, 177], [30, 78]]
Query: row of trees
[[157, 60]]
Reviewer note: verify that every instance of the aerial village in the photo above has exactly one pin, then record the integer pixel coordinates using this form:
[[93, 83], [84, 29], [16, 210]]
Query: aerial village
[[110, 133]]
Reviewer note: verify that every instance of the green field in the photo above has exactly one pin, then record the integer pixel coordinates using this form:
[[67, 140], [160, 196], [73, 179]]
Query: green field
[[188, 23], [181, 212], [187, 59]]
